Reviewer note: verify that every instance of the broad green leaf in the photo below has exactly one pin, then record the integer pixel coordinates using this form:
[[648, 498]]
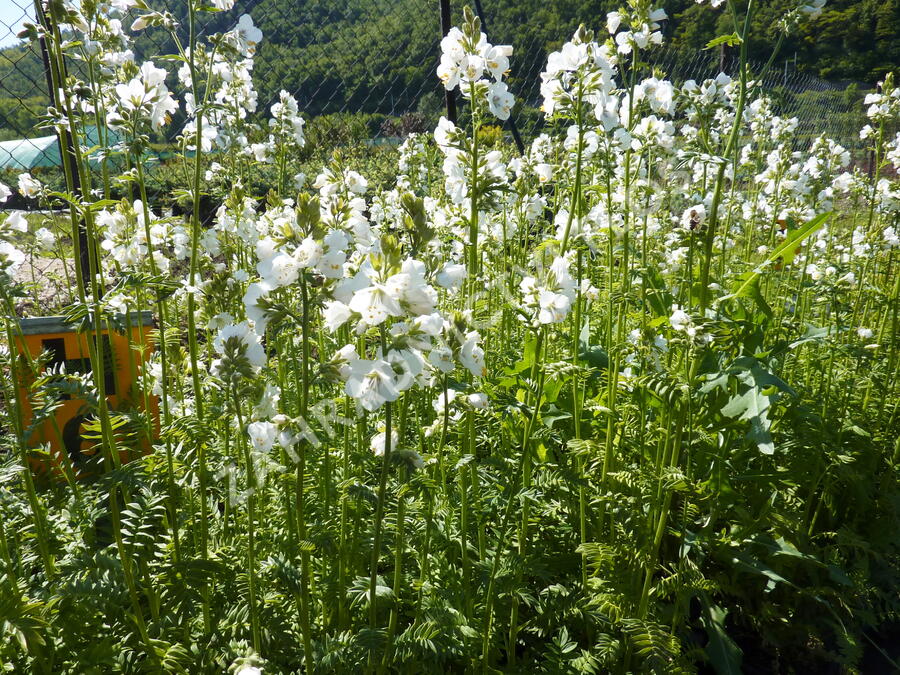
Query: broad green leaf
[[785, 251], [748, 563], [754, 293], [554, 414], [753, 406], [813, 334], [724, 655], [594, 355]]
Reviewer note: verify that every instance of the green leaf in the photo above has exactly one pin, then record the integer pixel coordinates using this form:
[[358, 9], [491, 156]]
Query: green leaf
[[813, 334], [748, 563], [595, 356], [103, 204], [731, 40], [724, 655], [554, 414], [753, 406], [785, 251], [756, 295], [658, 298]]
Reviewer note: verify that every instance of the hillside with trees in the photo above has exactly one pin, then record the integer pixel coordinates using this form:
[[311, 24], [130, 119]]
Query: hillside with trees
[[380, 57]]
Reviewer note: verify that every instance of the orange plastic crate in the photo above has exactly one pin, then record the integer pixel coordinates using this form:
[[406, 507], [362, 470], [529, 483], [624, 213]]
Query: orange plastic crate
[[125, 354]]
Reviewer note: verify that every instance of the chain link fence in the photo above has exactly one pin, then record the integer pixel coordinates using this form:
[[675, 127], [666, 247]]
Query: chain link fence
[[364, 71]]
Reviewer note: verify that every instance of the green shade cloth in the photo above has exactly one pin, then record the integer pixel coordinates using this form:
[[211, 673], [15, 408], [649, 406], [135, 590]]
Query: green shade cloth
[[29, 153]]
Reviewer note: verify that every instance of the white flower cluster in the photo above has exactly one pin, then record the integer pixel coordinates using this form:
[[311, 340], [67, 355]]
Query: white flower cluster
[[643, 28], [144, 97], [549, 301], [124, 233], [10, 256], [491, 170], [581, 70], [884, 105], [286, 128], [419, 347], [681, 322], [466, 57], [234, 97], [238, 341]]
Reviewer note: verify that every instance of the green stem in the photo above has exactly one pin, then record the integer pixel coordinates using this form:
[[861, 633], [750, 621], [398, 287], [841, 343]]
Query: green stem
[[379, 509], [251, 521], [300, 485]]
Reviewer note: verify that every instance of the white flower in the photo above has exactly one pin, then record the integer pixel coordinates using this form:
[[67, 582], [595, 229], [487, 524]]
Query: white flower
[[252, 345], [344, 358], [500, 100], [331, 264], [45, 239], [864, 333], [478, 401], [16, 221], [613, 21], [544, 172], [255, 292], [451, 276], [356, 183], [140, 23], [442, 359], [262, 435], [308, 253], [285, 270], [410, 288], [814, 9], [267, 407], [28, 186], [534, 207], [371, 383], [375, 303], [10, 256], [553, 307], [891, 237], [430, 324], [336, 240], [443, 132], [694, 217], [248, 670], [146, 94], [379, 440], [5, 192], [682, 322], [260, 152], [496, 60], [472, 355], [335, 314], [443, 401], [248, 35], [407, 365]]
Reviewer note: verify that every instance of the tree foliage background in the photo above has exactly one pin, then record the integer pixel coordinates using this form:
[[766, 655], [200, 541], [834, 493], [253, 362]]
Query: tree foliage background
[[370, 56]]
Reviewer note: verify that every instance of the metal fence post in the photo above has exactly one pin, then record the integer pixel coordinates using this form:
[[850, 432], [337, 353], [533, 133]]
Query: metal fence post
[[65, 140]]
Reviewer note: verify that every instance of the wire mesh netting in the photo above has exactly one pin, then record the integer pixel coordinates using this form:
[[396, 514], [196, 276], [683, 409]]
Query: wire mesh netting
[[366, 68]]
